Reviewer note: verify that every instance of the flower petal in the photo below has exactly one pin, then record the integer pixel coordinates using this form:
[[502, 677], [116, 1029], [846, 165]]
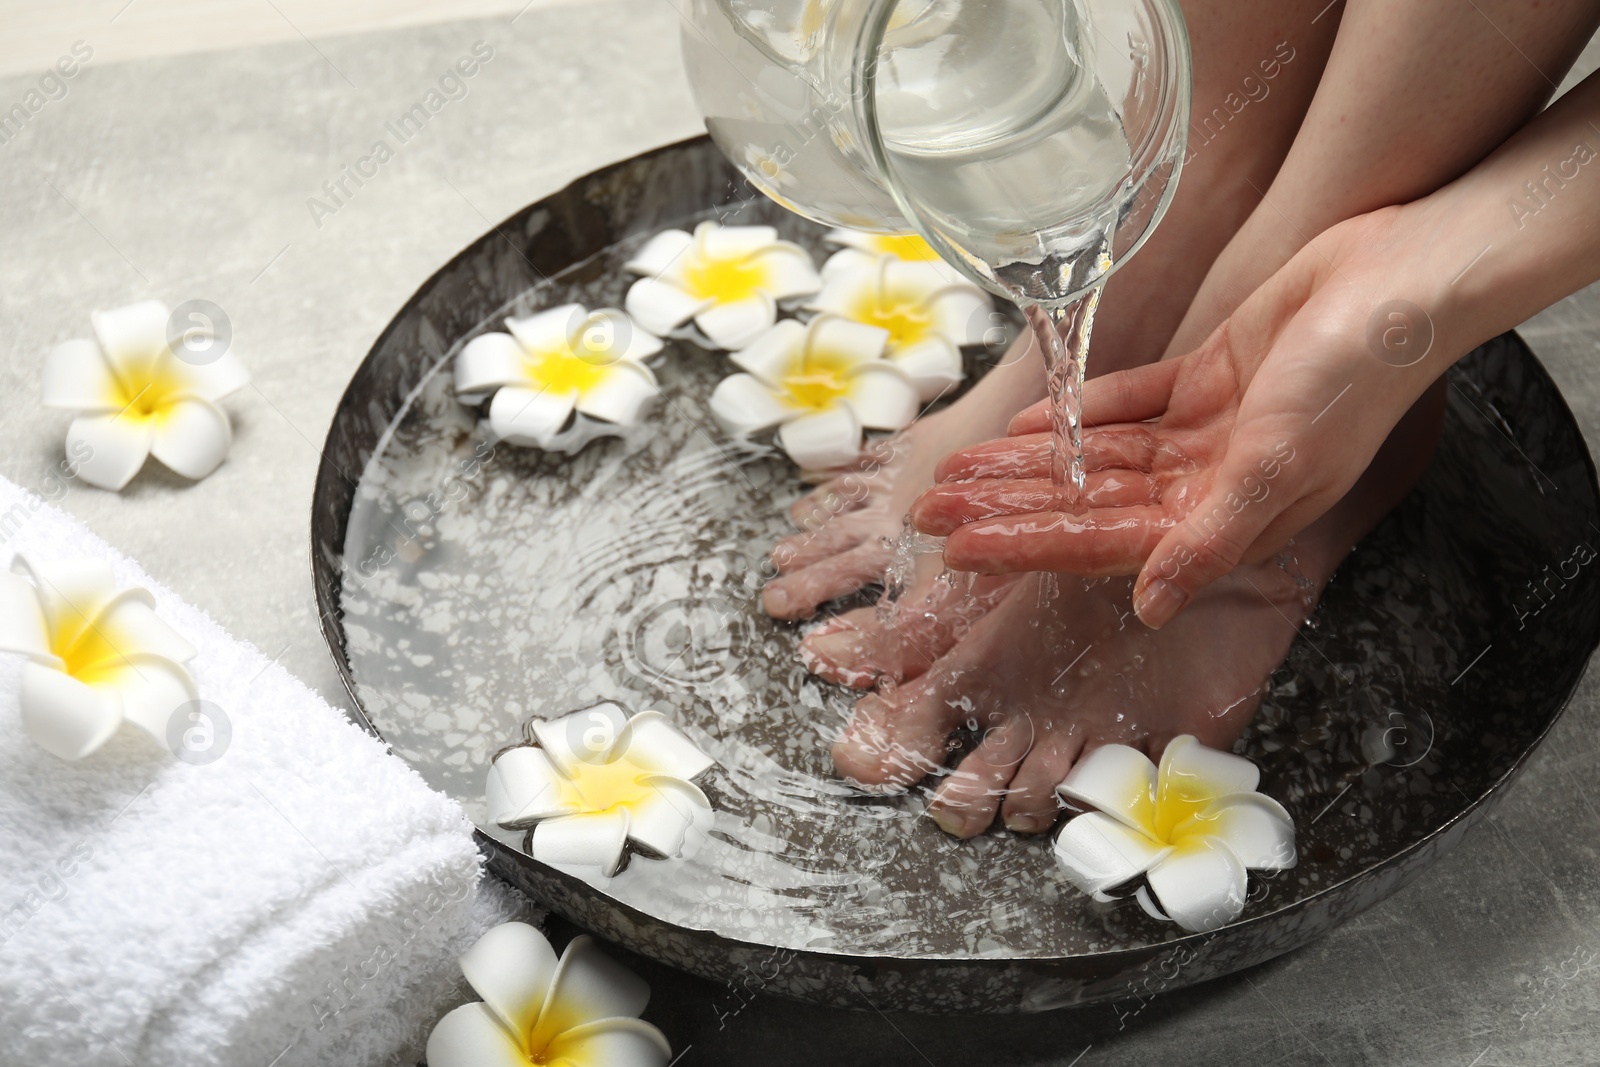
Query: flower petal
[[844, 291], [1148, 902], [738, 322], [471, 1036], [1097, 852], [661, 253], [856, 239], [742, 405], [661, 307], [550, 330], [487, 362], [582, 844], [963, 313], [66, 717], [524, 787], [1192, 775], [128, 623], [846, 261], [511, 967], [77, 377], [772, 352], [615, 1042], [530, 416], [192, 437], [882, 397], [1201, 884], [72, 592], [656, 745], [588, 987], [628, 340], [849, 342], [787, 271], [23, 627], [150, 688], [117, 448], [588, 735], [933, 365], [673, 820], [214, 380], [622, 396], [134, 340], [733, 242], [1117, 780], [822, 440], [1256, 827]]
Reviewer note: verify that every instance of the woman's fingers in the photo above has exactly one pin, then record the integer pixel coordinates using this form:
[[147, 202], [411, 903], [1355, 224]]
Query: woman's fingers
[[1125, 396], [1104, 541], [942, 509], [1218, 534], [1132, 448]]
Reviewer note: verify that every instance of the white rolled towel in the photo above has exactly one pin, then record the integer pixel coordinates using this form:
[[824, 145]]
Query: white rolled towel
[[300, 899]]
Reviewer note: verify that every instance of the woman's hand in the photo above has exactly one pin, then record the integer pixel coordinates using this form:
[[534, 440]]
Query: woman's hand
[[1221, 455]]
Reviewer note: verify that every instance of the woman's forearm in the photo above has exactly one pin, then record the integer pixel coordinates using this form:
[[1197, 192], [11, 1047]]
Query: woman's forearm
[[1521, 230]]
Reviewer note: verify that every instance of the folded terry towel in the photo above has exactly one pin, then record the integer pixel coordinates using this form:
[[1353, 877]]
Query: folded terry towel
[[299, 900]]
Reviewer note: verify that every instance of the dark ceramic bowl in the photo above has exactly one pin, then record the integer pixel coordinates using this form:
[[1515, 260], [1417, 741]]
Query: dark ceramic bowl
[[1441, 654]]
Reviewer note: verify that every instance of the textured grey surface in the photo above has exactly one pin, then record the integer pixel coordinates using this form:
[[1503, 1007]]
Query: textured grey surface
[[188, 177]]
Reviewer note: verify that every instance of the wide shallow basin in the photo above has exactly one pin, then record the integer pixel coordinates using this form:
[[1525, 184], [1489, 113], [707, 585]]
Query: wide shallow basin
[[467, 587]]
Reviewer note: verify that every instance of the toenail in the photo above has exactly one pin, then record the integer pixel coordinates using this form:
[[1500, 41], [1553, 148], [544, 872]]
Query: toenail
[[1028, 824], [950, 822]]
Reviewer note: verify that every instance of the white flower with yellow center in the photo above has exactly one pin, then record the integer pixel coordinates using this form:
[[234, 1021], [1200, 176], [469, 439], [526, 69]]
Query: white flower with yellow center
[[1191, 829], [822, 384], [728, 279], [581, 1010], [857, 248], [555, 365], [597, 780], [96, 656], [135, 398], [929, 310]]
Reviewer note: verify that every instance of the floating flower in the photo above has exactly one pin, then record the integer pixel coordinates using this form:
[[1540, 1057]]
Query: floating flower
[[581, 1010], [97, 655], [859, 248], [598, 779], [728, 279], [927, 314], [555, 363], [822, 384], [135, 398], [1191, 829]]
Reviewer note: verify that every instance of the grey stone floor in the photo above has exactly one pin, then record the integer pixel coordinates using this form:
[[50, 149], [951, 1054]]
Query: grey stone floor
[[188, 177]]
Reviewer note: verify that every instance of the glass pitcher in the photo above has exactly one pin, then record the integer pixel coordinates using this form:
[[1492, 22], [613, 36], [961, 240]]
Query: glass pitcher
[[1034, 143]]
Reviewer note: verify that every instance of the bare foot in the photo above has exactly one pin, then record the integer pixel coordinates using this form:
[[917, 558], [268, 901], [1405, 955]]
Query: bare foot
[[1049, 675]]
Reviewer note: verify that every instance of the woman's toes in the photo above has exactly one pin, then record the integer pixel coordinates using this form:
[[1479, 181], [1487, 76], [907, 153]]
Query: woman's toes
[[1031, 805], [797, 595], [965, 803], [812, 546], [894, 741]]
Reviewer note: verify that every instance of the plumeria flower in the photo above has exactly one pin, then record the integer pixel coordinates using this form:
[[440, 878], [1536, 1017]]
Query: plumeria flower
[[96, 655], [597, 780], [556, 363], [135, 398], [857, 248], [581, 1010], [1192, 829], [728, 279], [928, 315], [822, 384]]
